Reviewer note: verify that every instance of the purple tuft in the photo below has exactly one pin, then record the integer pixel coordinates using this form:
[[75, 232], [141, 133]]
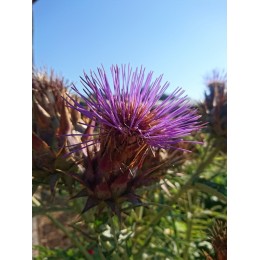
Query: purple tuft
[[130, 110]]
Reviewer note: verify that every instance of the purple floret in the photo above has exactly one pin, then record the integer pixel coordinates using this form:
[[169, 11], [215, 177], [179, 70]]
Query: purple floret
[[130, 107]]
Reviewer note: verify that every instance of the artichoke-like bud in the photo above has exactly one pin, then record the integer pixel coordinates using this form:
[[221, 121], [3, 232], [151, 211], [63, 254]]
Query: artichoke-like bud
[[214, 108], [107, 184], [129, 134], [218, 237], [47, 105], [51, 117], [49, 166], [52, 122]]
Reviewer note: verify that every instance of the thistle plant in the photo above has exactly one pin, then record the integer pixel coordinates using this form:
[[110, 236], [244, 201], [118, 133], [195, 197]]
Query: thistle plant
[[130, 158], [214, 108], [218, 237], [52, 119], [128, 127]]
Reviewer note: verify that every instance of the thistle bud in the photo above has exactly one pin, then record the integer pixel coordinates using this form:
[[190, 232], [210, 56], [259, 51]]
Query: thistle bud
[[131, 128]]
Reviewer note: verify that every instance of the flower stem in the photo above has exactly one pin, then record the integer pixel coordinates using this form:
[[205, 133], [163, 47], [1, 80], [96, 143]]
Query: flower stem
[[102, 257], [113, 230], [189, 227]]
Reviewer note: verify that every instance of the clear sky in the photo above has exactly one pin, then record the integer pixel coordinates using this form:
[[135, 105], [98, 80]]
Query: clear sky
[[183, 39]]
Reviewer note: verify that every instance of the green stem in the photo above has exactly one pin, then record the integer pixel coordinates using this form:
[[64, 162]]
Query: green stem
[[71, 237], [141, 212], [42, 210], [138, 255], [176, 235], [188, 238], [189, 228], [113, 230], [100, 252], [204, 164]]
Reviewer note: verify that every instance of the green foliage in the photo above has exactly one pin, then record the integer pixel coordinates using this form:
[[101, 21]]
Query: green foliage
[[58, 253], [174, 219], [173, 223]]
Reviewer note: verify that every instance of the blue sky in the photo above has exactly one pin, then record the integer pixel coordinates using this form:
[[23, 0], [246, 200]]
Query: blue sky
[[184, 40]]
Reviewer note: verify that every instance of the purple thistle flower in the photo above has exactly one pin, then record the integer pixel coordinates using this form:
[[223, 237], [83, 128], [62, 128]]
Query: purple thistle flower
[[131, 117]]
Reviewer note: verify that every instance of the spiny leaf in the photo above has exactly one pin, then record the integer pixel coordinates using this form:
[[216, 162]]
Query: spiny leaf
[[53, 182], [39, 145], [82, 193], [115, 209], [91, 202]]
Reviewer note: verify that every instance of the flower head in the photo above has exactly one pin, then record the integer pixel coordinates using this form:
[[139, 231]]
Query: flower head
[[214, 109], [129, 126], [130, 114], [218, 237], [52, 119]]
